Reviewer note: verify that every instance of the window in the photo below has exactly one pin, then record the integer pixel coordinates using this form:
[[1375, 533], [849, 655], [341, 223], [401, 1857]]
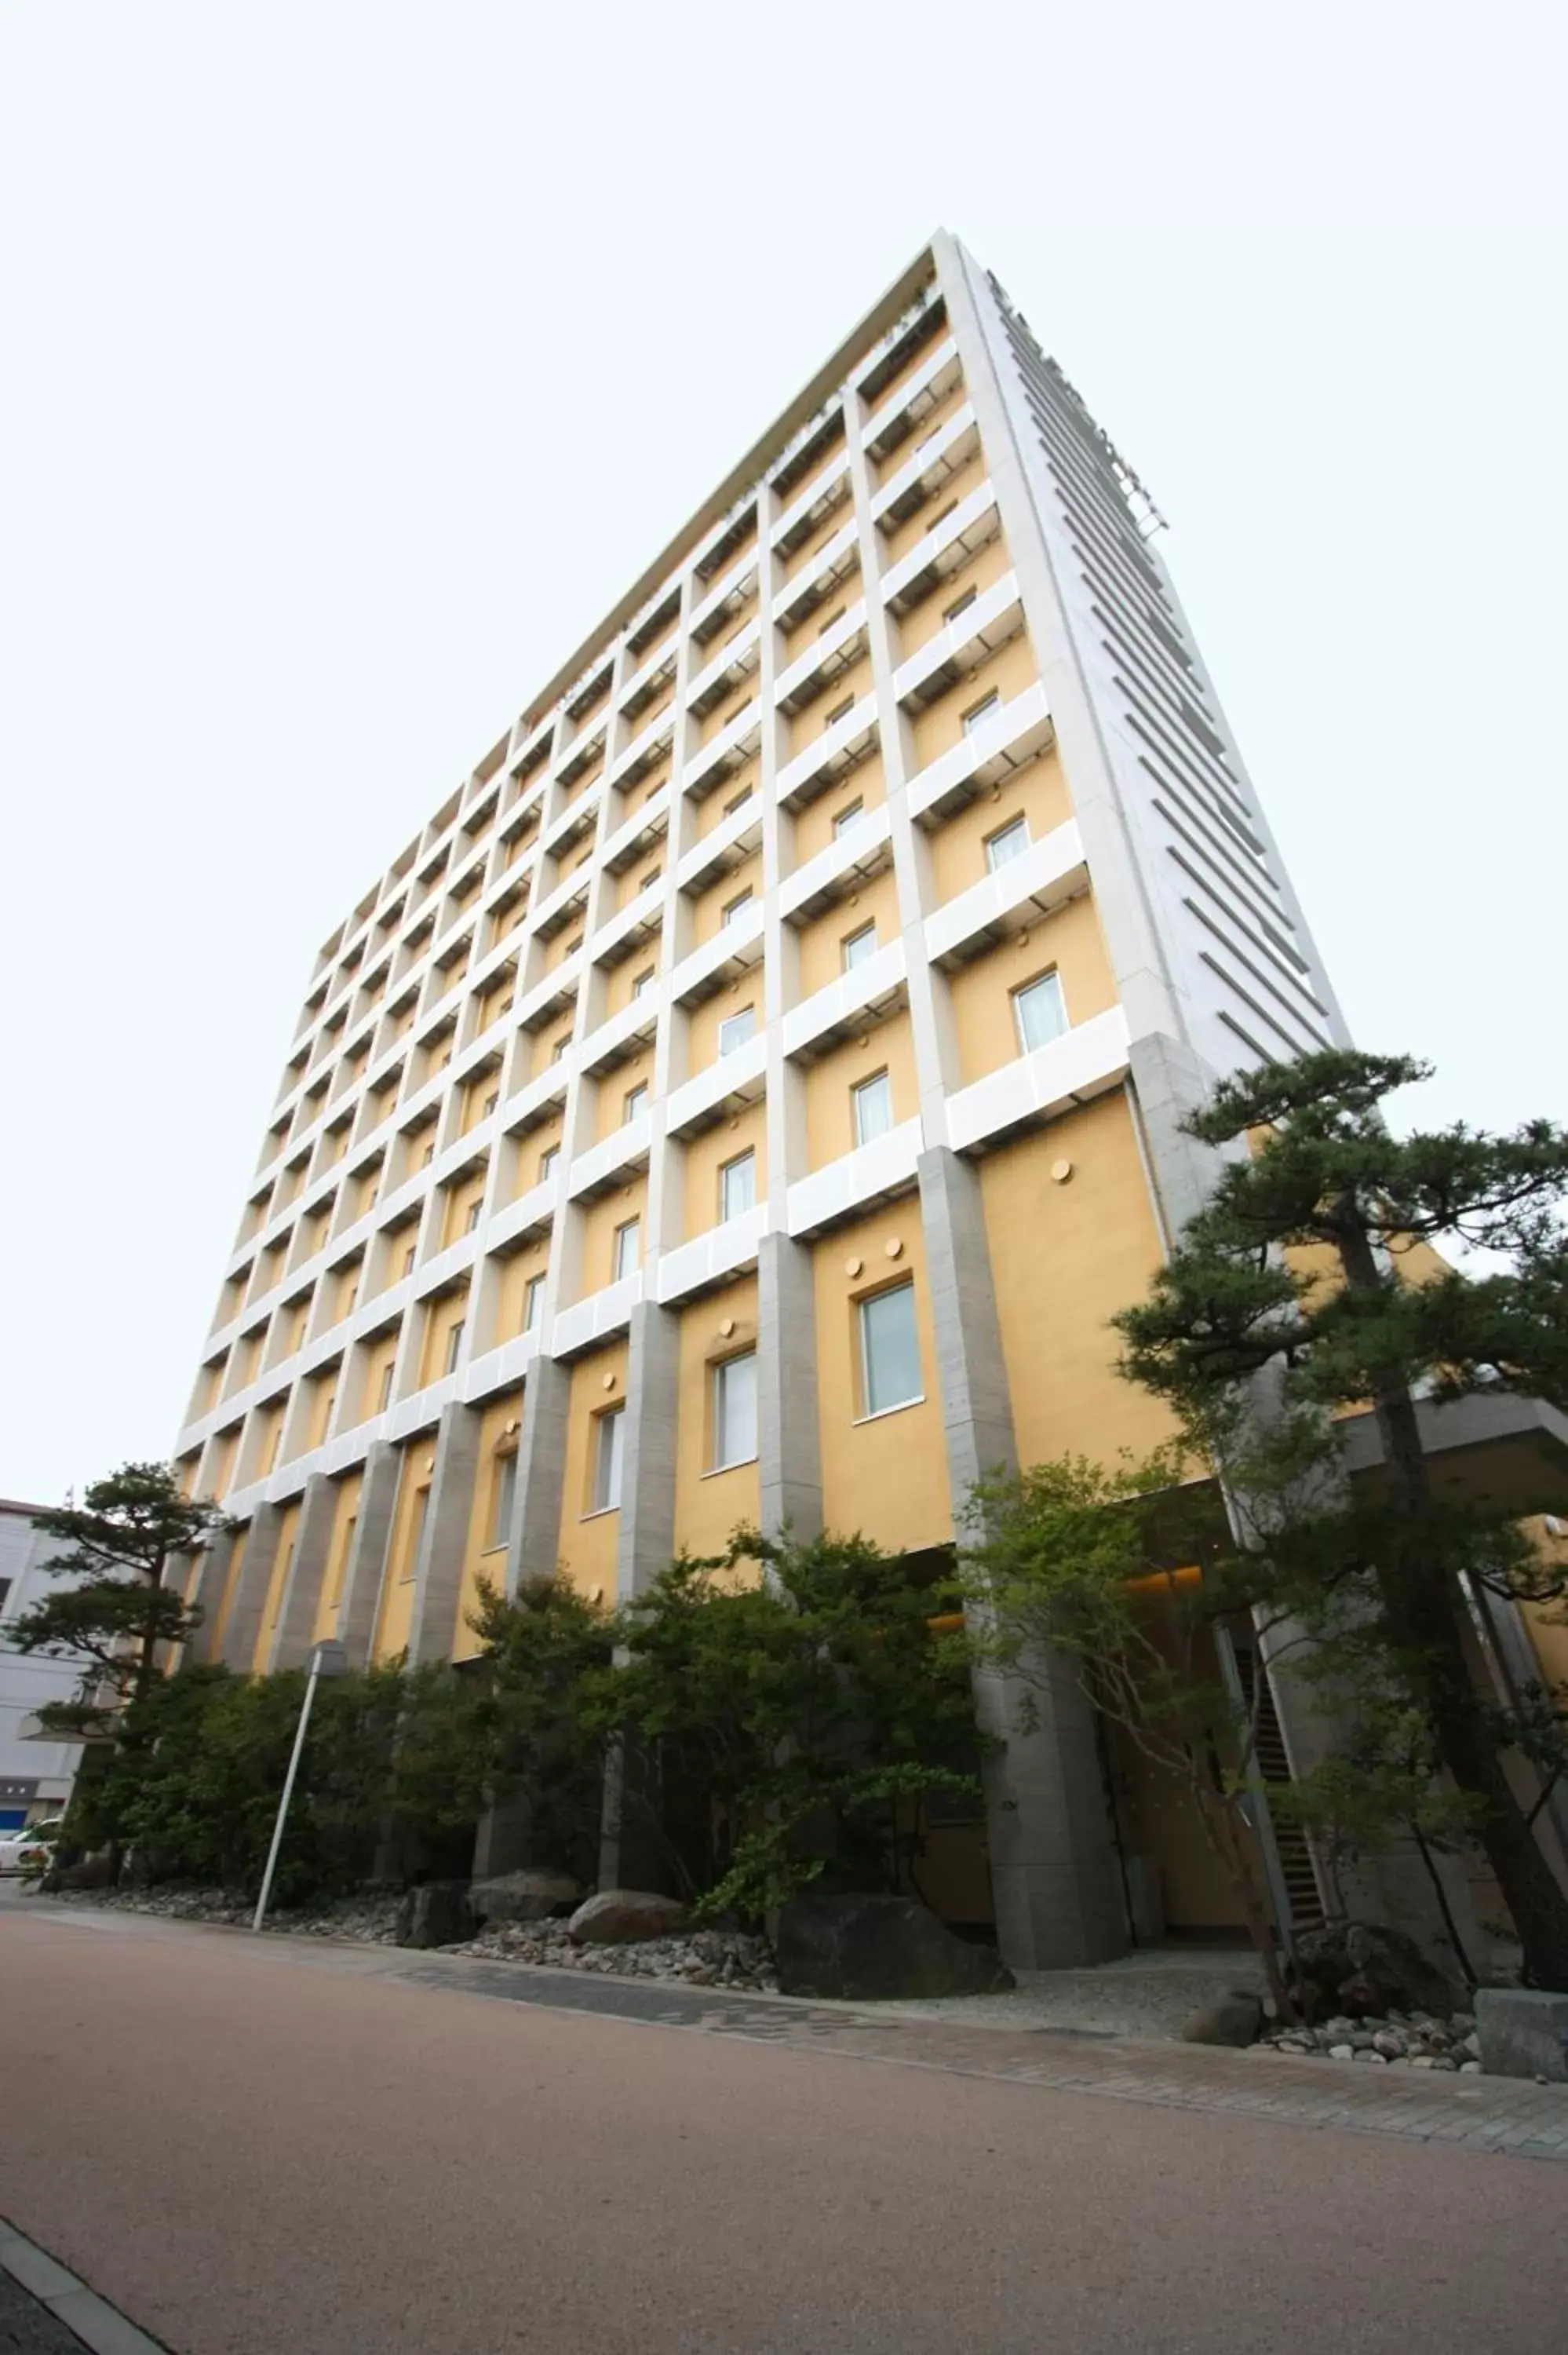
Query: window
[[634, 1101], [1039, 1011], [502, 1491], [609, 1450], [889, 1350], [1009, 841], [960, 604], [836, 615], [979, 713], [572, 947], [415, 1532], [952, 508], [858, 946], [650, 877], [547, 1160], [5, 1591], [472, 1220], [872, 1102], [737, 1185], [840, 711], [533, 1294], [411, 1254], [643, 981], [428, 1155], [491, 1101], [738, 905], [740, 800], [454, 1346], [736, 1029], [847, 818], [624, 1259], [559, 1048], [383, 1398], [735, 1410]]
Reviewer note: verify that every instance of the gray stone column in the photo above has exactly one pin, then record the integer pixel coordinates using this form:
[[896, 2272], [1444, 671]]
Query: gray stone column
[[207, 1595], [627, 1858], [250, 1592], [789, 1435], [302, 1585], [533, 1540], [367, 1564], [437, 1572], [1052, 1865]]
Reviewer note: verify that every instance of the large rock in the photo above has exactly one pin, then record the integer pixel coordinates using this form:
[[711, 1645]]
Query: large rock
[[1236, 2019], [532, 1894], [1523, 2032], [865, 1948], [1367, 1968], [617, 1916], [437, 1913]]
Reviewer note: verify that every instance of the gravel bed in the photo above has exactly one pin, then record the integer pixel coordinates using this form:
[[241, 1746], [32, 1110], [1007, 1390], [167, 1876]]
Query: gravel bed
[[1393, 2040], [725, 1958], [369, 1918]]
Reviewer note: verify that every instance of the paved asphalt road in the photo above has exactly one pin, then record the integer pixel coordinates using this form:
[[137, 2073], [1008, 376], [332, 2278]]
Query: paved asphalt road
[[251, 2154]]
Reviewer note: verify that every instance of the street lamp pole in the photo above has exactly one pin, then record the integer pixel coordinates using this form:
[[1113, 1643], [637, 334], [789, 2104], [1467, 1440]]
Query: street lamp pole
[[328, 1659]]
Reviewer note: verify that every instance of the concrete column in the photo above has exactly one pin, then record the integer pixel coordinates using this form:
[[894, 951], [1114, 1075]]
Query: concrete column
[[206, 1594], [302, 1585], [534, 1541], [437, 1572], [367, 1564], [647, 1539], [250, 1593], [1052, 1865], [787, 1429]]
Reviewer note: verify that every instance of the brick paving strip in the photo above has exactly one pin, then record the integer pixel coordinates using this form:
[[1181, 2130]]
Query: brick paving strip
[[1480, 2113], [45, 2310]]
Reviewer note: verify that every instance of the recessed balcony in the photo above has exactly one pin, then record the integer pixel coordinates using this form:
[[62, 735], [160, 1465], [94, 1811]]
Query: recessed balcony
[[598, 1318], [713, 1094], [605, 1163], [852, 1002], [714, 1257], [878, 1172], [1016, 733], [630, 927], [817, 577], [624, 1035], [734, 664], [641, 833], [530, 1215], [725, 598], [573, 825], [1042, 877], [993, 617], [935, 461], [945, 550], [831, 755], [904, 410], [724, 847], [816, 503], [646, 686], [729, 750], [813, 673], [645, 752], [1082, 1063], [562, 906], [851, 859], [734, 948], [581, 756]]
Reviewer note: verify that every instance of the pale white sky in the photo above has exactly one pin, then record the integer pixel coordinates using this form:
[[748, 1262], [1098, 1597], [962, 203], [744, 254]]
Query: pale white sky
[[318, 322]]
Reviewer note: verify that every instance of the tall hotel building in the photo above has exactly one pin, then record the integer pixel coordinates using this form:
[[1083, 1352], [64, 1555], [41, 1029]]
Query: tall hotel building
[[752, 1093]]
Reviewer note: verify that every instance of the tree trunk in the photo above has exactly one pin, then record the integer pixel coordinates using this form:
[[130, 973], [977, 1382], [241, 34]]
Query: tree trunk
[[1421, 1615]]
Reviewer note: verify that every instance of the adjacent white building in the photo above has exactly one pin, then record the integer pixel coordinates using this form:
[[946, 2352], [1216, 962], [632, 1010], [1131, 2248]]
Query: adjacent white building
[[35, 1775]]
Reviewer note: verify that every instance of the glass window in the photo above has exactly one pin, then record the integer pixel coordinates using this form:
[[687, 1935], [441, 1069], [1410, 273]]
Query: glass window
[[533, 1293], [740, 800], [840, 711], [634, 1101], [454, 1346], [559, 1048], [735, 1410], [623, 1260], [847, 818], [736, 1029], [609, 1450], [872, 1102], [643, 981], [547, 1160], [502, 1493], [979, 713], [859, 945], [738, 905], [889, 1350], [411, 1254], [650, 877], [1009, 841], [737, 1185], [384, 1399], [1039, 1011], [472, 1220], [960, 604], [491, 1101]]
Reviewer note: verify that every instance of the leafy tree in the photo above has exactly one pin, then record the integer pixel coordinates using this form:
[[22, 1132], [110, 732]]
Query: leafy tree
[[116, 1611], [1286, 1306], [793, 1725]]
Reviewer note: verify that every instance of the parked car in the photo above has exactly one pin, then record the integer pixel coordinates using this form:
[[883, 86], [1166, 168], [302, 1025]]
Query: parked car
[[29, 1850]]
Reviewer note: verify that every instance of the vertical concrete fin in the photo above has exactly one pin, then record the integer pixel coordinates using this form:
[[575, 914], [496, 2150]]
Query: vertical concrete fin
[[788, 1432]]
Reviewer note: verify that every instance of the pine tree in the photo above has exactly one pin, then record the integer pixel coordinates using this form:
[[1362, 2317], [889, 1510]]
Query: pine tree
[[117, 1609], [1288, 1286]]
